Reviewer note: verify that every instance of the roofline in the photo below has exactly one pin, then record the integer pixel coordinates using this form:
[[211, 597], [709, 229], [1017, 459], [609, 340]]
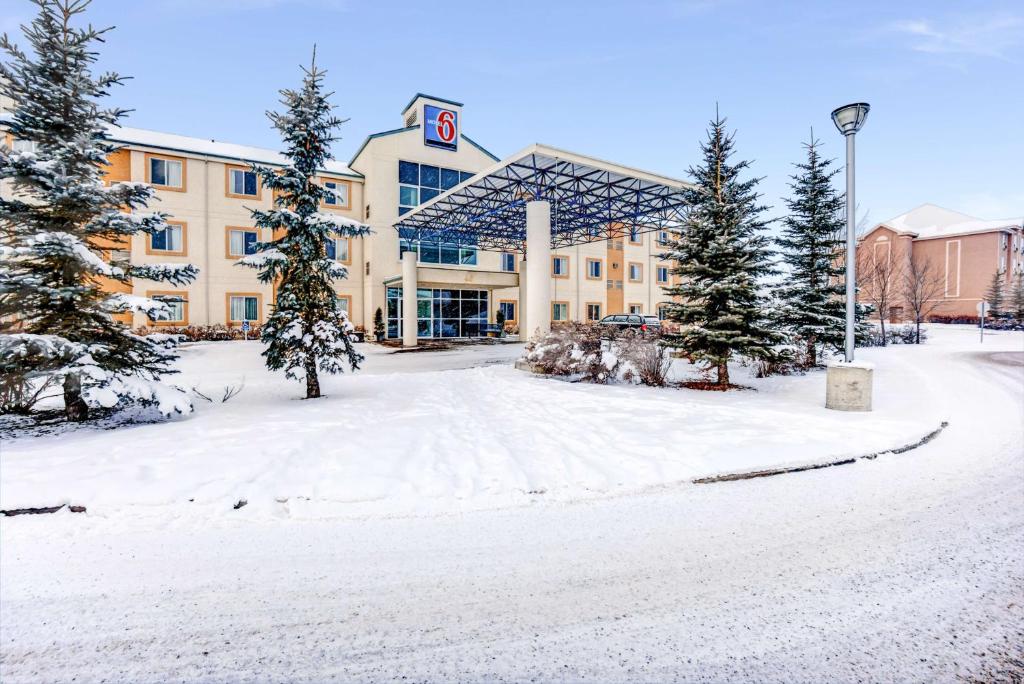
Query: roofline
[[382, 134], [478, 146], [183, 150], [538, 148], [430, 97], [1007, 228]]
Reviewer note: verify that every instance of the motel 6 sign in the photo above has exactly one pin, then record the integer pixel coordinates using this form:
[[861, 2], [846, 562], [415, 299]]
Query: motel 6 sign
[[440, 127]]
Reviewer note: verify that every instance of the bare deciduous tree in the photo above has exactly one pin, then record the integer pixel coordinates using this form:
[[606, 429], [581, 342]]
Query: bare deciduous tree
[[922, 291], [880, 277]]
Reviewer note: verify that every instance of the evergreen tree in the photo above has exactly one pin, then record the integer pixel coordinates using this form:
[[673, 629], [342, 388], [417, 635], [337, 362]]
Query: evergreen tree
[[55, 316], [378, 324], [811, 243], [1017, 298], [720, 252], [306, 331], [996, 295]]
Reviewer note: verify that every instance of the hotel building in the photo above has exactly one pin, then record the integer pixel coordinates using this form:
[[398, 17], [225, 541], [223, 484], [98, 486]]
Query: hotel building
[[208, 189]]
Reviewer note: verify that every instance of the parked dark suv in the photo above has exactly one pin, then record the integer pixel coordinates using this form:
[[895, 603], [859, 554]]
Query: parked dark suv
[[616, 323]]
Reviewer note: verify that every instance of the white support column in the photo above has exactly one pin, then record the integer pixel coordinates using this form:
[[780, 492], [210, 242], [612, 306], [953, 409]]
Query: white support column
[[521, 304], [409, 299], [538, 242]]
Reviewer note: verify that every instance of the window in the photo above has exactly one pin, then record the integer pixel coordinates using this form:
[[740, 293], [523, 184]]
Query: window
[[338, 249], [419, 183], [337, 194], [593, 312], [508, 262], [440, 252], [169, 241], [24, 146], [593, 269], [662, 274], [662, 237], [242, 183], [636, 272], [165, 172], [508, 310], [441, 313], [241, 241], [176, 312], [120, 257], [662, 312], [343, 303], [635, 237], [243, 307], [636, 309], [559, 311], [560, 266]]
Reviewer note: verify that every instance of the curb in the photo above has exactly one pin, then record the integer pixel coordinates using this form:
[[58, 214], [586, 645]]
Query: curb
[[751, 474]]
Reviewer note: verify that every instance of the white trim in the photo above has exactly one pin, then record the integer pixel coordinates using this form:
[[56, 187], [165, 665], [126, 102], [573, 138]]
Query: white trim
[[959, 248]]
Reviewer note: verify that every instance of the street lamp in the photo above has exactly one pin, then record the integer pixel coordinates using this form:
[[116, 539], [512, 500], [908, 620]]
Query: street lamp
[[849, 119], [848, 385]]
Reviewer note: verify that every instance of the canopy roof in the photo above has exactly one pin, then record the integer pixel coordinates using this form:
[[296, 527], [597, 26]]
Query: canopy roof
[[590, 200]]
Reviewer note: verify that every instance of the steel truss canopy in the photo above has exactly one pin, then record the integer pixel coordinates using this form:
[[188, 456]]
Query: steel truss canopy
[[590, 200]]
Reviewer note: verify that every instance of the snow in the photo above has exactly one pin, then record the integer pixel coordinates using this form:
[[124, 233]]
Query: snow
[[171, 141], [864, 365], [388, 440], [903, 568], [930, 221]]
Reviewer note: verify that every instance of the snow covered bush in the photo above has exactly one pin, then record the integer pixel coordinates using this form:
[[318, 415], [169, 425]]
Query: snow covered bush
[[203, 333], [644, 358], [573, 350]]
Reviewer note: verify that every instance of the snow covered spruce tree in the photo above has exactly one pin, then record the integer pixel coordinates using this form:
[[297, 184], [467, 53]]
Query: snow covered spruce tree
[[56, 323], [306, 332], [720, 253], [811, 244]]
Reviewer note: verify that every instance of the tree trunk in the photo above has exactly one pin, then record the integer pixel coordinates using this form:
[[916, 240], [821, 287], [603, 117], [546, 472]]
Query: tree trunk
[[812, 358], [881, 322], [723, 374], [917, 337], [75, 408], [312, 381]]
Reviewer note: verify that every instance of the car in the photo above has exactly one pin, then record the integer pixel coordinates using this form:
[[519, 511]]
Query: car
[[616, 323]]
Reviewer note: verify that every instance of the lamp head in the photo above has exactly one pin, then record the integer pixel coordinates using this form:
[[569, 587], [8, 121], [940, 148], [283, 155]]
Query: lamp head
[[850, 118]]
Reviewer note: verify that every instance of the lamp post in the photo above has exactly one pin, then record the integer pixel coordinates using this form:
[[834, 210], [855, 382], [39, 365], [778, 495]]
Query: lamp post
[[849, 119], [848, 385]]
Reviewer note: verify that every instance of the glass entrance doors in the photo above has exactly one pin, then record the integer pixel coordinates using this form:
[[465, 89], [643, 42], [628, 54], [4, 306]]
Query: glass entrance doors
[[441, 313]]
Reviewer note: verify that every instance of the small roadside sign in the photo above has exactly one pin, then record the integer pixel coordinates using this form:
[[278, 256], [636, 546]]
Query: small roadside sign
[[982, 308], [245, 330]]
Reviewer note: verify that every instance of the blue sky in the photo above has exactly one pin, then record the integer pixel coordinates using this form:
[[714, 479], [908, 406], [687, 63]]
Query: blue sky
[[634, 82]]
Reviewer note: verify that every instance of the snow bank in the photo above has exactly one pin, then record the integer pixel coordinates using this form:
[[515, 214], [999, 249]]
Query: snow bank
[[391, 440]]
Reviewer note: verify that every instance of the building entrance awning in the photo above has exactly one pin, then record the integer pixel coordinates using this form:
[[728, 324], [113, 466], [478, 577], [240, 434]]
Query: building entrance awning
[[590, 200]]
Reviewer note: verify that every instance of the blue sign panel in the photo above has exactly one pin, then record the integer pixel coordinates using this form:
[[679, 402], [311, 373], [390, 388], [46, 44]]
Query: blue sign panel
[[440, 127]]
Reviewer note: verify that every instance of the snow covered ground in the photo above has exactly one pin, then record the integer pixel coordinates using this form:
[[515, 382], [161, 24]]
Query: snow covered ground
[[909, 567], [465, 431]]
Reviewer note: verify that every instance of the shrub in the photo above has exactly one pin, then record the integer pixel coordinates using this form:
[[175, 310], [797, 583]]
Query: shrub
[[900, 334], [205, 333], [645, 358], [573, 350], [785, 360]]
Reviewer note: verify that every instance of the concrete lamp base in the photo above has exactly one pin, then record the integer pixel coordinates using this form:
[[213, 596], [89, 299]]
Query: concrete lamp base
[[848, 386]]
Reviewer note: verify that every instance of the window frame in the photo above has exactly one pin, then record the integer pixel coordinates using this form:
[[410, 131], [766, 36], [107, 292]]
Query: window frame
[[348, 249], [515, 309], [148, 162], [151, 251], [227, 239], [637, 305], [348, 299], [639, 237], [515, 262], [599, 306], [338, 182], [567, 313], [183, 322], [227, 307], [556, 257], [600, 264], [629, 268], [657, 275], [228, 169]]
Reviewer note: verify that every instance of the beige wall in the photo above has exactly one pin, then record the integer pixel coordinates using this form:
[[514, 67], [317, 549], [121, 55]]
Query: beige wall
[[207, 210]]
